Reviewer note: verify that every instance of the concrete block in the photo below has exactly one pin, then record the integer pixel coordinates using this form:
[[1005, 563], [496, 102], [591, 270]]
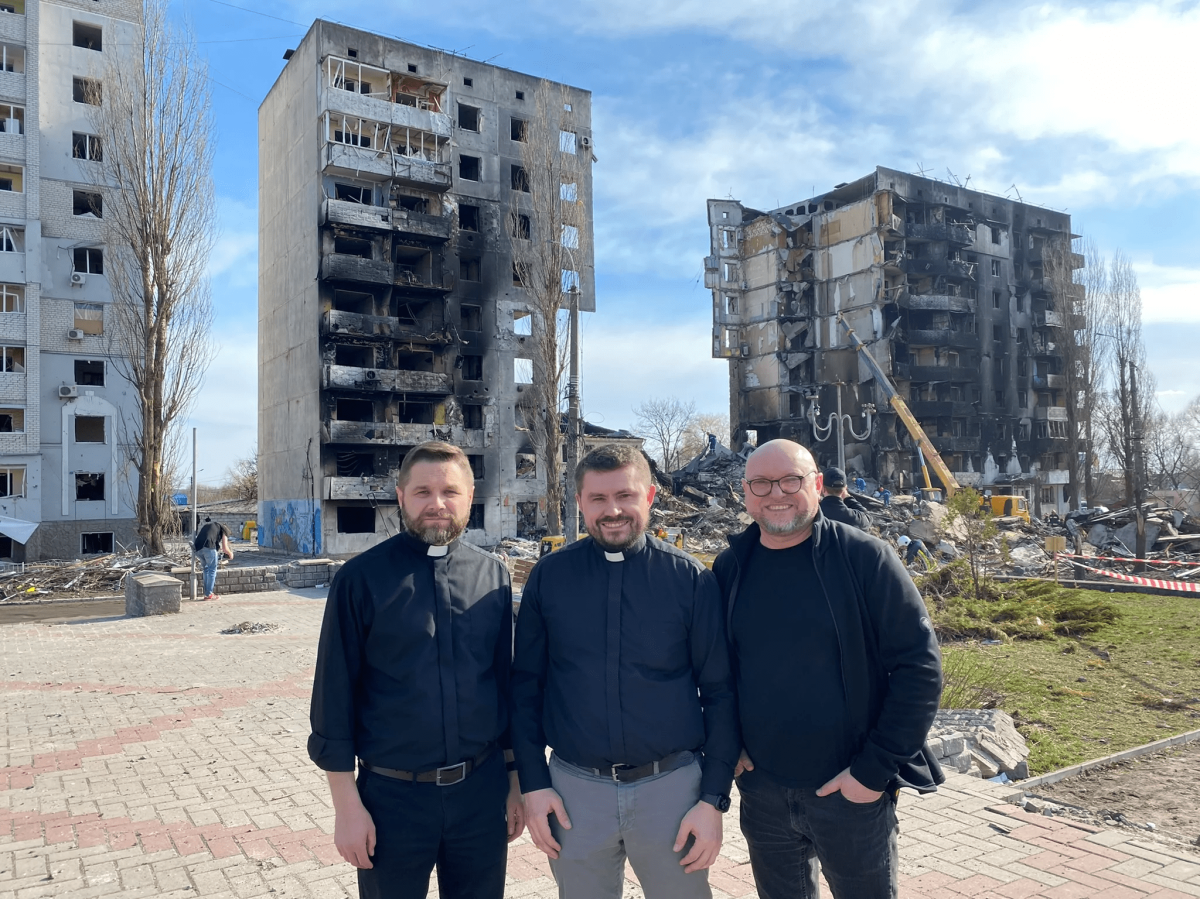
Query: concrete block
[[151, 593]]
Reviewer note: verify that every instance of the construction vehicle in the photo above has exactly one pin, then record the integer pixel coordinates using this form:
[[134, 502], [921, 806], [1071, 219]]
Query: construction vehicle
[[925, 449], [1006, 505]]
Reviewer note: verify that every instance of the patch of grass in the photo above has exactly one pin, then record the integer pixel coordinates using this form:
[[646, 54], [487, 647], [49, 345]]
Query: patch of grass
[[1137, 660], [1025, 610]]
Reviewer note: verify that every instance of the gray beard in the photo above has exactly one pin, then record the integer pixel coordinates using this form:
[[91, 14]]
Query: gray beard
[[795, 526]]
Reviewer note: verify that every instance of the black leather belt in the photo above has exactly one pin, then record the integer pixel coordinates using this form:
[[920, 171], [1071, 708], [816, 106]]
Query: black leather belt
[[628, 774], [443, 777]]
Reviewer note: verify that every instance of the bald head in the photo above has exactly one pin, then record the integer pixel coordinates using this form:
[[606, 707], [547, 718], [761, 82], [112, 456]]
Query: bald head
[[786, 496], [775, 453]]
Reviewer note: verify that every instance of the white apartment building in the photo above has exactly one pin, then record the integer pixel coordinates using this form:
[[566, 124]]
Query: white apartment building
[[66, 488]]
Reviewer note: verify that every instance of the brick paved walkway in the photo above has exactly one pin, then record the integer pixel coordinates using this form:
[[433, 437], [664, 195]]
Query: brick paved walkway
[[157, 757]]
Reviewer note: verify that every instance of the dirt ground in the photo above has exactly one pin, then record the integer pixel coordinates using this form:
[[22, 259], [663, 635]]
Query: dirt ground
[[1163, 789], [56, 610]]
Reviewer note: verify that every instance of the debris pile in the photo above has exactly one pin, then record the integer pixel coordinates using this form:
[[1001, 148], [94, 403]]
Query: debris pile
[[251, 627], [96, 575]]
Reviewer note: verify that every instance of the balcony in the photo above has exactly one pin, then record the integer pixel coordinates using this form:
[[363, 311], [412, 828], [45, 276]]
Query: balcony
[[1048, 319], [352, 324], [1050, 413], [414, 281], [1045, 348], [1056, 476], [941, 338], [346, 377], [381, 490], [380, 109], [340, 267], [420, 224], [942, 373], [935, 302], [956, 444], [356, 215], [1052, 382], [935, 268], [926, 409], [953, 233], [415, 171], [12, 27], [396, 434], [356, 162]]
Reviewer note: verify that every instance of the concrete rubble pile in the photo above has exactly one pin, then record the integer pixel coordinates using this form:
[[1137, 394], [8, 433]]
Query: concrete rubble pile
[[97, 575], [980, 742]]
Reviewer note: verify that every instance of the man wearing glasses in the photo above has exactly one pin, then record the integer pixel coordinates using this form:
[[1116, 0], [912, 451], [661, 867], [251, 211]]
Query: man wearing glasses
[[838, 676]]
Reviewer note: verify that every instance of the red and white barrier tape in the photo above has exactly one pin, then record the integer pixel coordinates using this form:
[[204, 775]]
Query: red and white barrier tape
[[1123, 559], [1178, 586]]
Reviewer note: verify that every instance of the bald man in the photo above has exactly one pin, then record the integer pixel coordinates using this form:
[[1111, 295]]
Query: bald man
[[838, 677]]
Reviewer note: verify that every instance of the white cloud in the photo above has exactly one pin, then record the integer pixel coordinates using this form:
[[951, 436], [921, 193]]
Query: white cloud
[[1169, 293], [234, 257], [226, 412]]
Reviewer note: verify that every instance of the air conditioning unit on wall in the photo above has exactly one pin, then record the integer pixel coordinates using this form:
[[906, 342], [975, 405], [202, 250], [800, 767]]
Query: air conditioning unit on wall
[[78, 278], [75, 334], [68, 392]]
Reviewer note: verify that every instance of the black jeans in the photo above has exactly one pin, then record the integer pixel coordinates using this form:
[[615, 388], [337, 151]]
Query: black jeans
[[789, 830], [460, 829]]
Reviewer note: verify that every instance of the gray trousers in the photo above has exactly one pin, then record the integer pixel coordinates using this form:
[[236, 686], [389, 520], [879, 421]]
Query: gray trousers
[[612, 821]]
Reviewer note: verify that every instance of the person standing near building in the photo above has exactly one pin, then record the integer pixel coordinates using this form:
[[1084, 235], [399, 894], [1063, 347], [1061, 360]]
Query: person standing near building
[[622, 667], [412, 681], [815, 603], [210, 538], [838, 504]]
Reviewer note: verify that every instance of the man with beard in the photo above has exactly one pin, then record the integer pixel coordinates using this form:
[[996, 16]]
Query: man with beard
[[412, 681], [622, 667], [838, 679]]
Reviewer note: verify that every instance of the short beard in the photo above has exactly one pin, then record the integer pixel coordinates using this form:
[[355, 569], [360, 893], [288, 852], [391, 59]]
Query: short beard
[[434, 535], [597, 536], [795, 526]]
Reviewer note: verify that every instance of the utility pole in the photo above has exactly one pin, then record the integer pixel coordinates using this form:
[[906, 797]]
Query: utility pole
[[195, 499], [1135, 439], [571, 519]]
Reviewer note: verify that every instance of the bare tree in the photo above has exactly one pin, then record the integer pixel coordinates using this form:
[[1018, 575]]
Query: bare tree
[[549, 228], [152, 111], [243, 477], [695, 438], [1172, 454], [666, 423]]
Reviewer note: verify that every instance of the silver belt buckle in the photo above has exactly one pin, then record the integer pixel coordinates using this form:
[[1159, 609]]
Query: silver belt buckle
[[461, 767]]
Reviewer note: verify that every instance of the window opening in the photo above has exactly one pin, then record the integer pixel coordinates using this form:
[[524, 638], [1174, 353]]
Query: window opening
[[12, 177], [520, 95], [475, 522], [570, 237], [12, 298], [468, 269], [355, 520], [471, 318], [89, 260], [522, 323], [89, 318], [355, 410], [89, 372], [412, 67], [522, 371], [95, 544], [12, 482], [517, 129], [83, 146], [89, 429], [567, 141], [12, 119], [12, 359], [355, 465], [526, 465], [355, 193], [12, 240], [89, 37], [520, 178], [87, 90], [12, 420], [468, 217], [411, 204], [87, 202], [468, 168], [352, 246], [521, 226], [568, 193], [472, 368], [468, 117], [12, 59], [89, 487], [473, 417]]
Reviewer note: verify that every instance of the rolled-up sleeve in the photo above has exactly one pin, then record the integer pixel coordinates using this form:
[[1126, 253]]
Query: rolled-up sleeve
[[335, 685]]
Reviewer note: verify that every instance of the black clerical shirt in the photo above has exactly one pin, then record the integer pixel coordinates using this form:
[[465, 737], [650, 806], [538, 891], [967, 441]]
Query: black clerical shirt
[[414, 658], [621, 658]]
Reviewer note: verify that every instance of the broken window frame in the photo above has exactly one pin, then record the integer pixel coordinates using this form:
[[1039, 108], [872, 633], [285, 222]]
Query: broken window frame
[[81, 36], [518, 129], [93, 199], [12, 240], [568, 142], [12, 419], [96, 543], [570, 237], [87, 90], [336, 77], [88, 260], [12, 481], [522, 371], [89, 318], [12, 299], [12, 178], [467, 112], [469, 217], [522, 322], [12, 359], [91, 376], [354, 193], [519, 179], [88, 482]]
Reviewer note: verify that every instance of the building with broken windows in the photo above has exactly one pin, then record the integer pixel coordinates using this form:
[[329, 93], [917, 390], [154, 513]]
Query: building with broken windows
[[947, 288], [388, 312], [64, 486]]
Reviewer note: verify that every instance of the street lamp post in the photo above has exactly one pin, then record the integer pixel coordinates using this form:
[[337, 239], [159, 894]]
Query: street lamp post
[[571, 524], [837, 423]]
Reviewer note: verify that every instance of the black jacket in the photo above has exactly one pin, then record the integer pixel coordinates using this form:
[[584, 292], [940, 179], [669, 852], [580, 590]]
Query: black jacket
[[891, 666], [621, 658], [848, 511]]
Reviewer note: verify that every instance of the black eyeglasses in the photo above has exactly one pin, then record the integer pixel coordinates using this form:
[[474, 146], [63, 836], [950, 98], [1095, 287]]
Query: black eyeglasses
[[789, 484]]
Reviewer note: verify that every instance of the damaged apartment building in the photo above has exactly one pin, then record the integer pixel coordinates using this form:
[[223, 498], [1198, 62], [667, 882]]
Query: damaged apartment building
[[945, 286], [388, 309]]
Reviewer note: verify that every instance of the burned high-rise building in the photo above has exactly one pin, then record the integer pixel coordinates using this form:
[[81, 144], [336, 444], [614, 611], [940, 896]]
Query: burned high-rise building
[[949, 290], [390, 312]]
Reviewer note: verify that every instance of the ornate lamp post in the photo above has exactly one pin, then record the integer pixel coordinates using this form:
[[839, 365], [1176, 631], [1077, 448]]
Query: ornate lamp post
[[837, 423]]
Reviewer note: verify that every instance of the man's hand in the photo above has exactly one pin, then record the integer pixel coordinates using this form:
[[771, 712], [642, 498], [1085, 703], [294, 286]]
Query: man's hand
[[743, 764], [353, 828], [704, 823], [539, 805], [514, 808], [850, 788]]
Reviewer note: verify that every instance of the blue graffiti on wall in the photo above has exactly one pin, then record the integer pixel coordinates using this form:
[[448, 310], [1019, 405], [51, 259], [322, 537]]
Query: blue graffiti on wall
[[290, 525]]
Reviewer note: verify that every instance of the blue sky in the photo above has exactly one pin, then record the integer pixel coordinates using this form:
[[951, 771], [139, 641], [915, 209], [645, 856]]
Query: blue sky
[[1082, 108]]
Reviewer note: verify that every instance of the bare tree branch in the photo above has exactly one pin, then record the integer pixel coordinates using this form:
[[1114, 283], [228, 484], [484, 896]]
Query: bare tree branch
[[665, 423]]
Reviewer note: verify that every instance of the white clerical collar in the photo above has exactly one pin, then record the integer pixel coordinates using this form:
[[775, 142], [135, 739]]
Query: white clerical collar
[[614, 557], [438, 550]]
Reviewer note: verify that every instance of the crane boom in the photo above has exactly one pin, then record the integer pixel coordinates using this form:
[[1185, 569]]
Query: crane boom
[[926, 449]]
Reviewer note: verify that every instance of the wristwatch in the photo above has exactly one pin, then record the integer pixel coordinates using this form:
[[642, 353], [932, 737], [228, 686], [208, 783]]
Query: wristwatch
[[716, 800]]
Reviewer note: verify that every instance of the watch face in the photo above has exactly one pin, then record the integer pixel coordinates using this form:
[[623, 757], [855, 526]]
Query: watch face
[[723, 805]]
